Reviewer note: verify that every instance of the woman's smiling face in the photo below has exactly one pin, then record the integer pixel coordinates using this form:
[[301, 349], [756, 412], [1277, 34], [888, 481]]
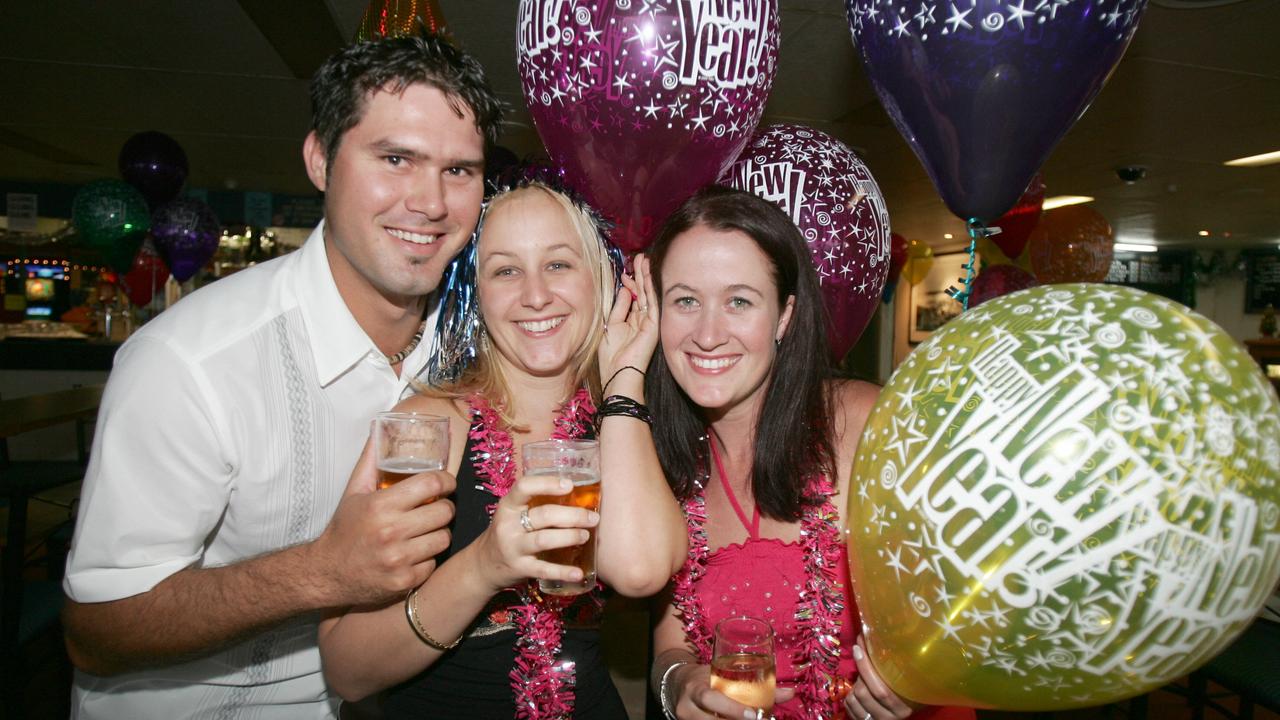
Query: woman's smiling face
[[721, 317], [537, 292]]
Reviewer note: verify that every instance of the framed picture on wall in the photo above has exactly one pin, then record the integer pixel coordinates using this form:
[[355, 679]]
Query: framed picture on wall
[[931, 306], [1261, 280]]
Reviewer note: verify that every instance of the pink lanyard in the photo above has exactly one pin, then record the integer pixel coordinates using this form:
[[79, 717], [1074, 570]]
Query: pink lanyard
[[753, 527]]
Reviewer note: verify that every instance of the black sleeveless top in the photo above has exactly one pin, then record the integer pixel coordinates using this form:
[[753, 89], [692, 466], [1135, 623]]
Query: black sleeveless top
[[473, 680]]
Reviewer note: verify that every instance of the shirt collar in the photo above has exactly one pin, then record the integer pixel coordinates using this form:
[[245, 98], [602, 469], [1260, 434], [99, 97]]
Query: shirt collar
[[337, 340]]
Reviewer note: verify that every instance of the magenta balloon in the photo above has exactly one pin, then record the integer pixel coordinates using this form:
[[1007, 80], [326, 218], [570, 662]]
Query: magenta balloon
[[832, 197], [643, 102]]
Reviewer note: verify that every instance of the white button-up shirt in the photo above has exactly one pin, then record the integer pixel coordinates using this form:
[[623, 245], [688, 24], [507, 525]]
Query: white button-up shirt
[[229, 428]]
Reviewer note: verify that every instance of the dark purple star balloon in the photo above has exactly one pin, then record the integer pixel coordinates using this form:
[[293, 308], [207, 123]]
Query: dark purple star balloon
[[983, 90]]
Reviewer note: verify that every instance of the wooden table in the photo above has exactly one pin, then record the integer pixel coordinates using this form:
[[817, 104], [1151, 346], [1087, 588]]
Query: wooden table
[[20, 480], [33, 412]]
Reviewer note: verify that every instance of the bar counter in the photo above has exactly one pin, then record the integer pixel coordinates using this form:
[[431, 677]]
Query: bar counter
[[56, 354]]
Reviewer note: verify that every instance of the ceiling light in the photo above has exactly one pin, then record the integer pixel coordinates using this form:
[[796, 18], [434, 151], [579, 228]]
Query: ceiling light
[[1134, 247], [1203, 233], [1256, 160], [947, 236], [1058, 201]]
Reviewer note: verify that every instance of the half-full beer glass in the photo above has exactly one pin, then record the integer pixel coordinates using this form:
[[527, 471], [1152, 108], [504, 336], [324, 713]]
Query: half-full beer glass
[[407, 443], [579, 462]]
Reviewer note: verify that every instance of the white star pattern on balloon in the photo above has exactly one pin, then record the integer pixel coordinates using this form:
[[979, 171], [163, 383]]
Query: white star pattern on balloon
[[996, 16], [817, 174], [1094, 488], [550, 30]]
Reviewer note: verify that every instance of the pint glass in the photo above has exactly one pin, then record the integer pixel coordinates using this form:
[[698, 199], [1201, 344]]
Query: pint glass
[[579, 462]]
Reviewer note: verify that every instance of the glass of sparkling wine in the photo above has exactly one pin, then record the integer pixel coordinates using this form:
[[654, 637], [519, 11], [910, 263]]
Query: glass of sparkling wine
[[407, 443], [742, 666], [578, 461]]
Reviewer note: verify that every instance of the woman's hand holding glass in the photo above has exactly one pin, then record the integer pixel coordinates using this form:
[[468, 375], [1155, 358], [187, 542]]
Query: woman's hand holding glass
[[520, 531], [694, 699], [631, 330]]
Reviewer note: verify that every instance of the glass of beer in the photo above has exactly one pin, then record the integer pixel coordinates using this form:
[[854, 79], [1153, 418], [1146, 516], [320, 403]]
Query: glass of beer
[[742, 666], [407, 443], [579, 462]]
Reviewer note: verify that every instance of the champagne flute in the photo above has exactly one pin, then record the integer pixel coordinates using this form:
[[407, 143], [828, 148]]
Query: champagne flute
[[408, 443], [742, 666]]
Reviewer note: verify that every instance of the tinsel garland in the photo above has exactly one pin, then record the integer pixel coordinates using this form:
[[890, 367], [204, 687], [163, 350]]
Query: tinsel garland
[[821, 603], [542, 687]]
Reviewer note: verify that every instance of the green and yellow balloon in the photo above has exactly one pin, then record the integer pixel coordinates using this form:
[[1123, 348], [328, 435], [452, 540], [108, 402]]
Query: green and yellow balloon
[[1064, 497]]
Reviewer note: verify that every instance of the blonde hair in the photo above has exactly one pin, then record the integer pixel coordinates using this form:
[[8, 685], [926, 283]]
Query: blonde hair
[[485, 376]]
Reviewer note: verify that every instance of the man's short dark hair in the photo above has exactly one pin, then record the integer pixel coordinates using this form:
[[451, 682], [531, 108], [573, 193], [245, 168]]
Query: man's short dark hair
[[342, 86]]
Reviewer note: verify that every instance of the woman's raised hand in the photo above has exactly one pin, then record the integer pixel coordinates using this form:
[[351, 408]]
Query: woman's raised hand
[[631, 330], [871, 696], [509, 546]]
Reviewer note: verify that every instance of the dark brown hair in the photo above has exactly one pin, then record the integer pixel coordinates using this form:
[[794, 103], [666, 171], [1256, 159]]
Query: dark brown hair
[[792, 436], [341, 88]]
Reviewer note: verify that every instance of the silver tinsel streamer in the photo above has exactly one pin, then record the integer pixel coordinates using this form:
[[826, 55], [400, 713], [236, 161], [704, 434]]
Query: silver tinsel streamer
[[458, 322]]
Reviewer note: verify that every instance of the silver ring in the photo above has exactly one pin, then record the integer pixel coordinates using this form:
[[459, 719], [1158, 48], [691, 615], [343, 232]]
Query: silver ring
[[524, 520], [867, 716]]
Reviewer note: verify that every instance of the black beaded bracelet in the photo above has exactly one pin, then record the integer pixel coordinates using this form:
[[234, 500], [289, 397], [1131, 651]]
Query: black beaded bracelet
[[623, 405], [618, 372]]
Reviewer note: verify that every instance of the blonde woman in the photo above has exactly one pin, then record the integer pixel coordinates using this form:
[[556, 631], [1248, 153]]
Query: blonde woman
[[554, 327]]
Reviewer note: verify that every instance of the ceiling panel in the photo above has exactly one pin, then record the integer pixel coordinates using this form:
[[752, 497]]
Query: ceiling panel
[[1197, 87]]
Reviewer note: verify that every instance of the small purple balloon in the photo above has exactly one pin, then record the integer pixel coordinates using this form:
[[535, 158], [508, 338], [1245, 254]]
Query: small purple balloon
[[155, 164], [829, 193], [186, 233], [983, 90], [643, 102]]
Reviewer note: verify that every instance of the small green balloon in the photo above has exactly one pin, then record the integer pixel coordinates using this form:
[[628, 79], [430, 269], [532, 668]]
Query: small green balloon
[[1064, 497], [108, 213]]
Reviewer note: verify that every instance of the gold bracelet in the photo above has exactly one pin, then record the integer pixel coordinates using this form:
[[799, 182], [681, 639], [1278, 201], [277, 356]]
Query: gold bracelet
[[411, 612]]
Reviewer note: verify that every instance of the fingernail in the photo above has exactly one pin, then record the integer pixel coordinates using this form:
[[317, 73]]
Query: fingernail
[[593, 517], [633, 296], [566, 484], [857, 653], [750, 715]]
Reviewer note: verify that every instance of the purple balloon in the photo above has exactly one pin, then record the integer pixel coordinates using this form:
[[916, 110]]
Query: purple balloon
[[832, 197], [186, 233], [984, 89], [155, 164], [643, 102]]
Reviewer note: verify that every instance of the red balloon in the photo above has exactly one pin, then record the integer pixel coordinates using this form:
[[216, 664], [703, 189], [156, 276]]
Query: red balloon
[[1071, 244], [829, 193], [148, 274], [1017, 224], [897, 254], [997, 280], [643, 103]]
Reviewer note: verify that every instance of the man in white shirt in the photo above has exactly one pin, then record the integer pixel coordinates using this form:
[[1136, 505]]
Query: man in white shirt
[[224, 509]]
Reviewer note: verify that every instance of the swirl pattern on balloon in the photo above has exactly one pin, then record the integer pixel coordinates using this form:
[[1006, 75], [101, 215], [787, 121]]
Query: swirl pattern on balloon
[[1089, 521], [643, 103], [830, 194]]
